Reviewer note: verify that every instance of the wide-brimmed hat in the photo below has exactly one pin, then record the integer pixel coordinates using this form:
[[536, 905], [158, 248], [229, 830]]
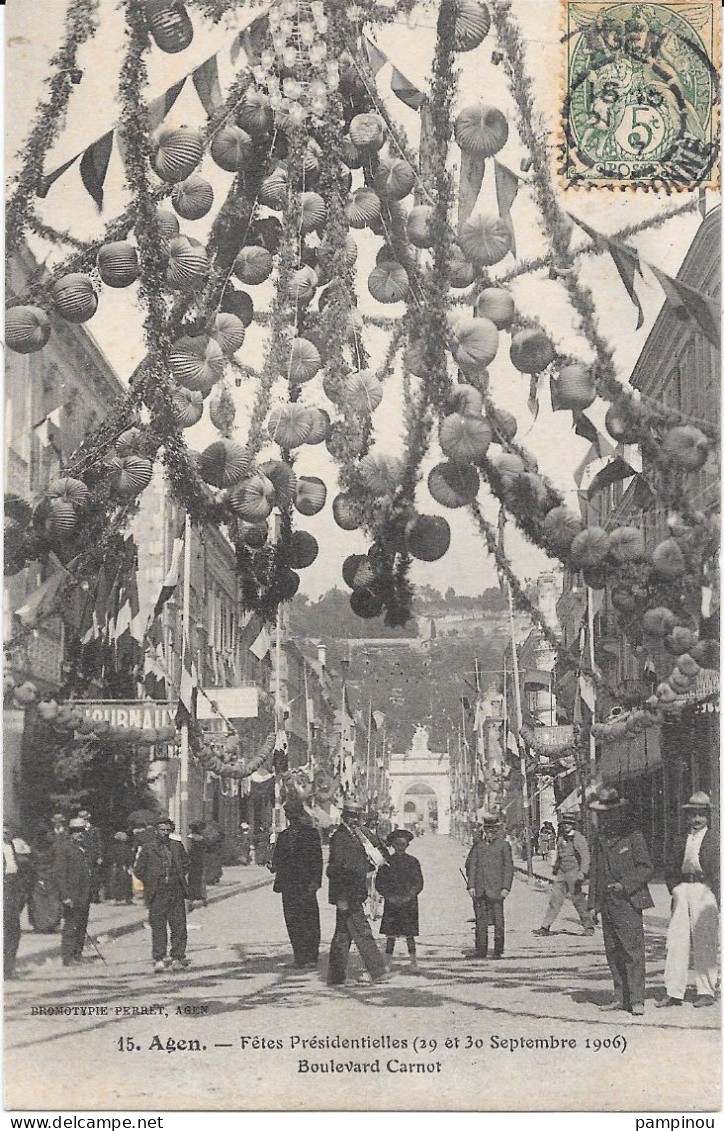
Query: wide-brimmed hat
[[607, 800], [244, 825], [699, 800], [399, 834], [165, 821], [490, 820], [120, 836], [77, 825], [351, 806], [570, 818], [59, 819]]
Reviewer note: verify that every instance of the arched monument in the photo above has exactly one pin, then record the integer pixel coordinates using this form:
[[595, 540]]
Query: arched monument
[[420, 785]]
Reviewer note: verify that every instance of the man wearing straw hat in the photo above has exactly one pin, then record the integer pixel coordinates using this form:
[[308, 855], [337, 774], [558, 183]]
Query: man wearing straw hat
[[569, 871], [620, 871], [692, 877]]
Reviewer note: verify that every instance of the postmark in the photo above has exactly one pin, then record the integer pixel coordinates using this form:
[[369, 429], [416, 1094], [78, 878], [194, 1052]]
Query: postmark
[[641, 95]]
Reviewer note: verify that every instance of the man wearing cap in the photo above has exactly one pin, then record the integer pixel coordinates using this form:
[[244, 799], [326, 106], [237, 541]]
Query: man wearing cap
[[692, 877], [297, 866], [489, 872], [72, 874], [93, 844], [620, 871], [351, 856], [162, 867], [570, 869]]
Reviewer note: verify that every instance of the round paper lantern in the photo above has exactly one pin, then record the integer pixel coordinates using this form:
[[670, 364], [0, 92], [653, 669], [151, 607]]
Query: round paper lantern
[[188, 407], [358, 571], [343, 510], [222, 410], [364, 208], [472, 24], [366, 603], [529, 491], [531, 351], [320, 426], [72, 490], [177, 153], [503, 423], [595, 576], [188, 264], [231, 148], [197, 363], [169, 24], [304, 361], [590, 547], [419, 221], [706, 654], [61, 518], [475, 343], [228, 332], [27, 328], [687, 665], [350, 154], [508, 466], [74, 298], [289, 425], [461, 271], [668, 560], [575, 388], [302, 284], [283, 479], [118, 264], [623, 422], [48, 710], [273, 190], [239, 303], [253, 265], [254, 534], [560, 527], [130, 475], [313, 211], [394, 179], [496, 304], [467, 400], [26, 693], [193, 197], [367, 131], [17, 513], [168, 227], [679, 682], [685, 447], [224, 463], [287, 584], [680, 640], [311, 495], [255, 114], [363, 392], [659, 621], [665, 693], [381, 473], [253, 498], [453, 484], [428, 537], [303, 549], [627, 544], [481, 130], [485, 239], [388, 282], [415, 358], [464, 438]]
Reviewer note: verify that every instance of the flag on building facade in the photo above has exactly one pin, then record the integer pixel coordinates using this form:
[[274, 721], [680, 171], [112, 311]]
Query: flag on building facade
[[42, 600], [171, 579]]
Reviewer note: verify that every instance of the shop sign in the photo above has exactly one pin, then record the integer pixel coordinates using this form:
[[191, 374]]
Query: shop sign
[[232, 702], [151, 714], [547, 739]]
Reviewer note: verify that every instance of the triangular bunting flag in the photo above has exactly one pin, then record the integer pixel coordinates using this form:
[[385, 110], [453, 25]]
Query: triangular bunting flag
[[690, 303], [160, 107], [506, 190], [94, 166], [611, 473], [262, 645], [251, 41], [208, 87], [376, 59], [171, 579], [626, 261], [42, 600], [47, 182], [472, 171], [406, 91]]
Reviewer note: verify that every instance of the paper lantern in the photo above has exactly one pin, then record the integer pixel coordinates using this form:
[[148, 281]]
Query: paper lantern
[[560, 527], [530, 492], [169, 24], [590, 547], [464, 438], [74, 298], [197, 363], [130, 475], [320, 426], [254, 534], [472, 24], [388, 282], [364, 208], [26, 694], [311, 495], [303, 549], [706, 653], [118, 264], [415, 358], [680, 640], [497, 305], [255, 114], [177, 153], [350, 154], [595, 576], [48, 710], [428, 537], [508, 466], [531, 351], [224, 463], [665, 693], [313, 212], [453, 484], [188, 407], [302, 284], [394, 179], [381, 473], [575, 388], [287, 584], [659, 621], [366, 603], [679, 682], [363, 392], [72, 490], [61, 518], [623, 421], [231, 148], [688, 665], [358, 571], [475, 343], [367, 131], [419, 225], [627, 544], [289, 425], [343, 510], [273, 190], [253, 498], [668, 560], [485, 239], [239, 303], [503, 423], [228, 332], [685, 447], [481, 130], [27, 329], [283, 479], [253, 265], [467, 400], [188, 264], [193, 197], [222, 410], [304, 361], [461, 272]]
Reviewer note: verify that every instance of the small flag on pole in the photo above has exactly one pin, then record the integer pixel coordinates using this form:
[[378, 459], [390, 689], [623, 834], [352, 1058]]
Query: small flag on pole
[[171, 579]]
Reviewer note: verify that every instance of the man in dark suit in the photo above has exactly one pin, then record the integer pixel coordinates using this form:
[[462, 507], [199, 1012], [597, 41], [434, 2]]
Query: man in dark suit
[[489, 871], [297, 864], [351, 856], [620, 871], [12, 902], [93, 845], [72, 873], [692, 877], [162, 867]]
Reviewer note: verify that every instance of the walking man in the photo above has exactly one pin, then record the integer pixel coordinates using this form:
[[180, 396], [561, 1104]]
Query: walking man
[[618, 892], [162, 867], [692, 877], [489, 871], [72, 873], [351, 856], [297, 864], [570, 869], [12, 903]]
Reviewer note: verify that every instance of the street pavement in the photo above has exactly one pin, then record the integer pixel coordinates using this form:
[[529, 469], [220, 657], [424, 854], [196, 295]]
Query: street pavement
[[242, 1031]]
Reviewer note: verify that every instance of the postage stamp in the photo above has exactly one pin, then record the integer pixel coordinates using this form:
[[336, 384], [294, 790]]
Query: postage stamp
[[641, 94]]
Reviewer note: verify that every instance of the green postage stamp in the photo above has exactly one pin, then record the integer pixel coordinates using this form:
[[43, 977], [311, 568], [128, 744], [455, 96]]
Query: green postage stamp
[[641, 94]]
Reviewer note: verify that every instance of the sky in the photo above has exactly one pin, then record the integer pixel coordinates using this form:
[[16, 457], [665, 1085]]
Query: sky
[[34, 30]]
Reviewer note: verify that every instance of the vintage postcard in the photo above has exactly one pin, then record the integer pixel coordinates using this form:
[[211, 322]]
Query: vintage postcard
[[362, 487]]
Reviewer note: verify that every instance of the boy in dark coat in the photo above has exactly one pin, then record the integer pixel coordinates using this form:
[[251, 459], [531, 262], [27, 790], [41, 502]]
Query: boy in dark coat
[[400, 882], [74, 881], [297, 864], [162, 866], [489, 871]]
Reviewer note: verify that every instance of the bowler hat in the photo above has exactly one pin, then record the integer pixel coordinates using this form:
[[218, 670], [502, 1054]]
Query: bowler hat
[[165, 821], [76, 825], [699, 800], [351, 806], [490, 820], [607, 799], [399, 834]]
